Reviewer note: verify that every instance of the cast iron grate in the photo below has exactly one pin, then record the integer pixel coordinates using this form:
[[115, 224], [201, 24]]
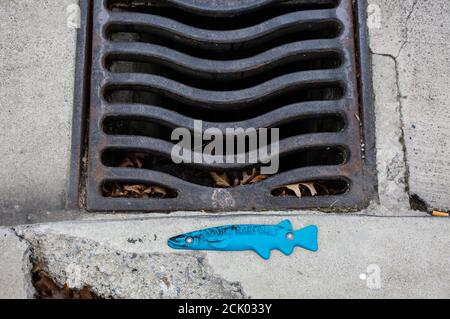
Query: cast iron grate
[[159, 65]]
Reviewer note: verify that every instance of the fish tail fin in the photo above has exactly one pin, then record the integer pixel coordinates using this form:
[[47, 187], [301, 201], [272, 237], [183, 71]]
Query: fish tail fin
[[307, 238]]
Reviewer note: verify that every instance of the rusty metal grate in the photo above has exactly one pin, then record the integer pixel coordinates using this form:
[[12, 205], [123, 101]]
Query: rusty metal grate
[[158, 65]]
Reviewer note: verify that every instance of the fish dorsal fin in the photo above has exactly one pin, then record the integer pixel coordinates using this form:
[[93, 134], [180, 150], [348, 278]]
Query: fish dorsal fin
[[286, 249], [263, 251], [222, 244], [286, 224]]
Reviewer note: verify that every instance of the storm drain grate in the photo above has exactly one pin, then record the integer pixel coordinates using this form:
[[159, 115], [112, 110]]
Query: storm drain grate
[[292, 65]]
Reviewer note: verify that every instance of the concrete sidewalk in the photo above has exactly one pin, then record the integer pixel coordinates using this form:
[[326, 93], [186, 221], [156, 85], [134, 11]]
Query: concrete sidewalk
[[411, 47], [359, 257]]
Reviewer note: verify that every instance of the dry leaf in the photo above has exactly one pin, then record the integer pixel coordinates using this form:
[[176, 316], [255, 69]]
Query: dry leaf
[[295, 188], [113, 190], [139, 158], [246, 178], [86, 294], [258, 178], [156, 190], [299, 190], [134, 191], [126, 163], [137, 189], [221, 180], [311, 188], [133, 160], [46, 285], [138, 163], [324, 188], [117, 192]]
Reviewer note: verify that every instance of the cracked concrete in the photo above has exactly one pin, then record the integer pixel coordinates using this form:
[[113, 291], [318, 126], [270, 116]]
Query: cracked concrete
[[129, 257], [415, 35], [392, 170], [117, 273]]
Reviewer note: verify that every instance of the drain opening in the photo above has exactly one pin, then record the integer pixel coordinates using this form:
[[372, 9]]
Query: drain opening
[[230, 78], [136, 189], [116, 125], [143, 160], [312, 189], [224, 51], [290, 99]]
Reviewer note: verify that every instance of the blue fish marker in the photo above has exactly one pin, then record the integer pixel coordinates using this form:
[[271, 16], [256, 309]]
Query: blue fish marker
[[259, 238]]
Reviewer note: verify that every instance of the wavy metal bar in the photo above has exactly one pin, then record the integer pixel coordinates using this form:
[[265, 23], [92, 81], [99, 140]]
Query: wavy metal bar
[[214, 69], [307, 174], [276, 118], [132, 175], [265, 31], [223, 100], [227, 8], [299, 175], [164, 148]]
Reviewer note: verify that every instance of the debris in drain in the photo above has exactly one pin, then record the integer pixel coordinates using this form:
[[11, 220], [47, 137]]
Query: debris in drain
[[299, 190], [46, 288], [136, 191], [135, 160], [221, 180], [311, 189], [234, 179], [212, 179]]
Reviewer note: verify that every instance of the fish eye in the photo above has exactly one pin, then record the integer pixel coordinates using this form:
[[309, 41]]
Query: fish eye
[[290, 236], [189, 240]]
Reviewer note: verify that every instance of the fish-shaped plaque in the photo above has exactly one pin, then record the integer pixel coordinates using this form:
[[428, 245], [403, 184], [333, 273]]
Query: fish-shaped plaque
[[260, 238]]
